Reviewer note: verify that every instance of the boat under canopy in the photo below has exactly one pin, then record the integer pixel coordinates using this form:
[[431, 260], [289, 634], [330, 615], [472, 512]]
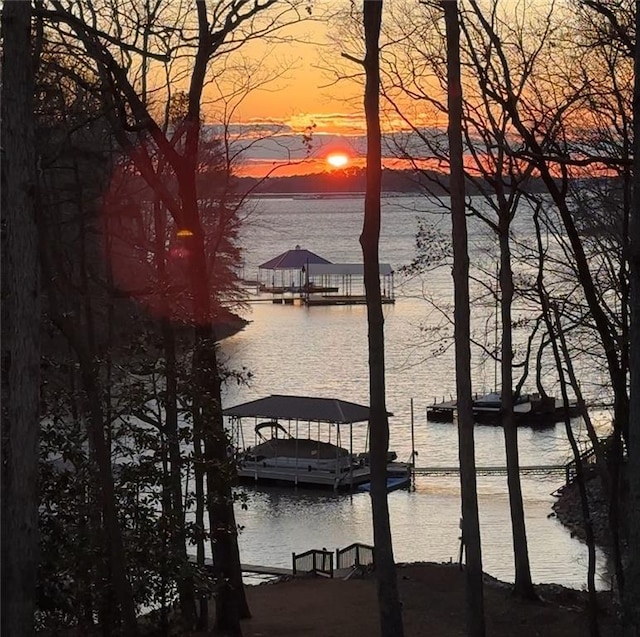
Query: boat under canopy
[[306, 453]]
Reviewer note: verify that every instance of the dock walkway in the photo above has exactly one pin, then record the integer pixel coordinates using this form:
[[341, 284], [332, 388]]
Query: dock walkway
[[256, 569], [491, 471], [266, 570]]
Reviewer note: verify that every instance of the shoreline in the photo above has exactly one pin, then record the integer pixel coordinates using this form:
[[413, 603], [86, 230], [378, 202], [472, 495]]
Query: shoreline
[[568, 509], [432, 596]]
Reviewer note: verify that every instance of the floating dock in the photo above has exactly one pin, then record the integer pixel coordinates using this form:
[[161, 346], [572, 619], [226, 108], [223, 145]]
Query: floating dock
[[336, 299], [529, 411], [298, 476]]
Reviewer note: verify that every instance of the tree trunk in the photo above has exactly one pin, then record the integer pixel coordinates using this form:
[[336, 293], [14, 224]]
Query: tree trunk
[[631, 598], [115, 544], [523, 585], [231, 603], [185, 584], [230, 599], [77, 340], [21, 364], [474, 602], [386, 577], [592, 608], [198, 478]]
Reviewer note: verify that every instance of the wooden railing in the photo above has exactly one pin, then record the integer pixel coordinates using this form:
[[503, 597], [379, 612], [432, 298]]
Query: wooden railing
[[588, 459], [316, 562], [354, 555]]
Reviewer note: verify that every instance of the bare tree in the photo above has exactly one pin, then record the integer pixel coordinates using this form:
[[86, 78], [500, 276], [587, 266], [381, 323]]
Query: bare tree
[[560, 352], [123, 50], [464, 398], [631, 598], [494, 174], [386, 577]]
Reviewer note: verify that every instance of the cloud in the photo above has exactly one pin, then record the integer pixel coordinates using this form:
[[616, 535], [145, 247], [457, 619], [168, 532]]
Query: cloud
[[293, 147], [284, 147], [296, 147], [250, 129], [329, 123]]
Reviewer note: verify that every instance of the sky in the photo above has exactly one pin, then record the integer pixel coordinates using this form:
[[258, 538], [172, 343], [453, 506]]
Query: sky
[[305, 102], [304, 99], [295, 93]]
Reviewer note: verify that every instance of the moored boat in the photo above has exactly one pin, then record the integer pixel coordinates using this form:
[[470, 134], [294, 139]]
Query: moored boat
[[393, 483]]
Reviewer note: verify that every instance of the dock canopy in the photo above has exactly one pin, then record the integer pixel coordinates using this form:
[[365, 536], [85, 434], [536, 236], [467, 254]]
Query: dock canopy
[[345, 269], [292, 260], [302, 408]]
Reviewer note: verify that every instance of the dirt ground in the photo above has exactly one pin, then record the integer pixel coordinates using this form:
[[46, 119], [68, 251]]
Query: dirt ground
[[433, 605]]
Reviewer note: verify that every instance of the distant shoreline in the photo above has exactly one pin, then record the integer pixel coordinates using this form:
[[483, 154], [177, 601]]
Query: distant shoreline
[[352, 183]]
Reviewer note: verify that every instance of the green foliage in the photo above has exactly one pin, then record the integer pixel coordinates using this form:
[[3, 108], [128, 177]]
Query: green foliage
[[73, 579], [72, 584]]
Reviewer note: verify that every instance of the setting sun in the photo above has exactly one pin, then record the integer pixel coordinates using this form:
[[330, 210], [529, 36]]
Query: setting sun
[[337, 160]]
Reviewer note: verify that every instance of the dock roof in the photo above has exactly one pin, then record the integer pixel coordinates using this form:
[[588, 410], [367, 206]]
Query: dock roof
[[293, 260], [345, 269], [307, 408]]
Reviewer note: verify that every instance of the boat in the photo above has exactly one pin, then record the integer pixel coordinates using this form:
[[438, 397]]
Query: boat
[[531, 410], [393, 483], [305, 453], [282, 453]]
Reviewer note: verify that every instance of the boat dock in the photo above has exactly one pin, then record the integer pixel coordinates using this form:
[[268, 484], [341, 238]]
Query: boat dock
[[300, 476], [313, 562], [529, 411], [335, 299], [363, 475], [266, 570], [316, 300], [301, 277], [254, 569]]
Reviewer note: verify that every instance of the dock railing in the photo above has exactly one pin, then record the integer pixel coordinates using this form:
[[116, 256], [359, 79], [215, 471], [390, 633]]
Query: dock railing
[[587, 460], [354, 555], [316, 562]]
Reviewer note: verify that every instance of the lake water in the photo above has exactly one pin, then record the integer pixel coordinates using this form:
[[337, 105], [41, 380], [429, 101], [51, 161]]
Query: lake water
[[322, 351]]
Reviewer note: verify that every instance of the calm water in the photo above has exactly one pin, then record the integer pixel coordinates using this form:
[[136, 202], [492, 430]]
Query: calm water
[[322, 351]]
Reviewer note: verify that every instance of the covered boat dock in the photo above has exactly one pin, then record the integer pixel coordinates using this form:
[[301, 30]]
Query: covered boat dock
[[344, 283], [303, 276], [295, 454], [287, 271]]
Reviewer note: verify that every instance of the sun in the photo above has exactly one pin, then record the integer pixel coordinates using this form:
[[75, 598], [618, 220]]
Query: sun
[[338, 160]]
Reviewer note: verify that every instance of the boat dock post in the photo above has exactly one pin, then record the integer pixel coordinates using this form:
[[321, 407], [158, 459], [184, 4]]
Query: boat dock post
[[413, 448]]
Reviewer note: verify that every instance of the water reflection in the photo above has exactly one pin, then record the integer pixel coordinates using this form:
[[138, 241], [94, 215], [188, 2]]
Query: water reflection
[[425, 527]]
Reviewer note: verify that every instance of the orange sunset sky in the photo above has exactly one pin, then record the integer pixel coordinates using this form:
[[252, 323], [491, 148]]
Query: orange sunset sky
[[303, 96]]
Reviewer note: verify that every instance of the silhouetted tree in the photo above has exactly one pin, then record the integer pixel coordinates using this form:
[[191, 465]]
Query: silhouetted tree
[[388, 598], [631, 598], [20, 326], [152, 46], [464, 399]]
